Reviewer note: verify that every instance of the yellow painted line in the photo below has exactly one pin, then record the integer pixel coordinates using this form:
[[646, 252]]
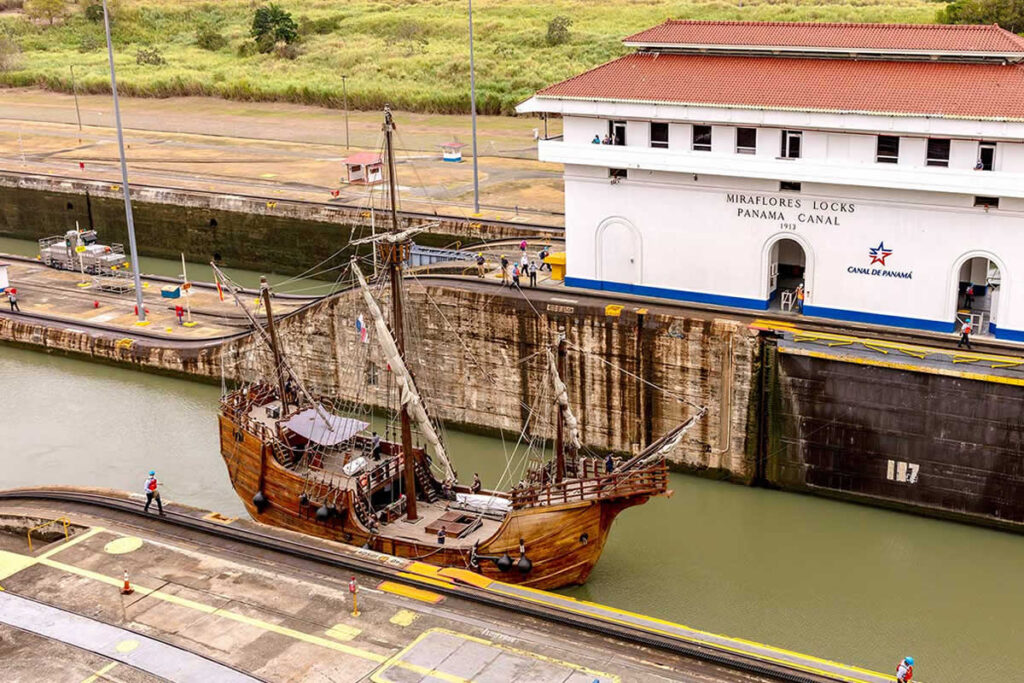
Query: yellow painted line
[[738, 650], [12, 563], [466, 576], [410, 592], [1007, 365], [100, 673], [67, 544], [893, 365], [426, 580], [915, 354], [226, 614], [398, 660], [962, 359], [424, 569], [840, 343], [343, 632], [875, 347], [403, 617]]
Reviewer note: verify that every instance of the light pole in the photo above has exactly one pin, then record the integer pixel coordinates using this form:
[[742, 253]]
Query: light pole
[[74, 89], [133, 251], [344, 94], [472, 107]]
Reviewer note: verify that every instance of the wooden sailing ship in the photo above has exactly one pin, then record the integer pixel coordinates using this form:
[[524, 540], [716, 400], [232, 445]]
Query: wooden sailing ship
[[298, 462]]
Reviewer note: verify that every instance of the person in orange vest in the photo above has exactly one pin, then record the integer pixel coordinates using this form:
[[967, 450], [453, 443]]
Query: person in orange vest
[[800, 297], [966, 329], [152, 494], [905, 670]]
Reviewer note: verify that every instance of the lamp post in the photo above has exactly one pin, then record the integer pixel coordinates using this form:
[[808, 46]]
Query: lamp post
[[133, 251], [472, 106], [74, 89], [344, 94]]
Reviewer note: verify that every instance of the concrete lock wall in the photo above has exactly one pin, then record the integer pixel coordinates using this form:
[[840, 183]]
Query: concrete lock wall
[[951, 446], [480, 365], [246, 232]]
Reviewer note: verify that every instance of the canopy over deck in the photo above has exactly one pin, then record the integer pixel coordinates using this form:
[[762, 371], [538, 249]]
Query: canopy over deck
[[324, 428]]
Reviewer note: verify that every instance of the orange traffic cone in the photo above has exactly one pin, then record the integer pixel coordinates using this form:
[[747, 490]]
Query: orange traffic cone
[[126, 589]]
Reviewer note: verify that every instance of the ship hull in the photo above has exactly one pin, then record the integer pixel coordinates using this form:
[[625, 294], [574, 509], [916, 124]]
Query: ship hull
[[563, 541]]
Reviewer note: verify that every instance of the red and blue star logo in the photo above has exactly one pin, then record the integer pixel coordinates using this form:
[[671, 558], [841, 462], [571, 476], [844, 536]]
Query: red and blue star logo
[[879, 254]]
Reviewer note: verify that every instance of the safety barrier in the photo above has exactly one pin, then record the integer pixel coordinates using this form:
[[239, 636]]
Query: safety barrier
[[63, 520]]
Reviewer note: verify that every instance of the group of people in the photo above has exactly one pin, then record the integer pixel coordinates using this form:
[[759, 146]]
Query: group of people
[[606, 140], [525, 268]]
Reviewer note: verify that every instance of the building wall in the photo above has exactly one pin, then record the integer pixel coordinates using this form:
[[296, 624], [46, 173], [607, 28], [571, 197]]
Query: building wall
[[708, 239]]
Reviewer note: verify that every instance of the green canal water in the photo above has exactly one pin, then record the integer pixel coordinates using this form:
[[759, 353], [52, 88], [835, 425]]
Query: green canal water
[[840, 581]]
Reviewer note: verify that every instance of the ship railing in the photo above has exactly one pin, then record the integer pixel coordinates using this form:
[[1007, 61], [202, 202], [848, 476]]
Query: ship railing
[[648, 481]]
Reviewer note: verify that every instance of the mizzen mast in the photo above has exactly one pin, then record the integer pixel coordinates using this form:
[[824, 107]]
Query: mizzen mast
[[393, 255], [275, 347]]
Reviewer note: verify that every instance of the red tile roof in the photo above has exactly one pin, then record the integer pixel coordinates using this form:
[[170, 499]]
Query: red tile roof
[[928, 88], [928, 37], [362, 159]]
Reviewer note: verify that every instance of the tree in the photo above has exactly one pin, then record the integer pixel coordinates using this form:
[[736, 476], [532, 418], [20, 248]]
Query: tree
[[558, 30], [1009, 14], [271, 25], [45, 9]]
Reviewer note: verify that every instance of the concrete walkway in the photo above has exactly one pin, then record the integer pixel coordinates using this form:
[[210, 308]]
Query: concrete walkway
[[118, 644]]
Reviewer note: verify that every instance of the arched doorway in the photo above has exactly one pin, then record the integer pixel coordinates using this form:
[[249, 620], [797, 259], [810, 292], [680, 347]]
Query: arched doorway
[[977, 282], [787, 270], [619, 252]]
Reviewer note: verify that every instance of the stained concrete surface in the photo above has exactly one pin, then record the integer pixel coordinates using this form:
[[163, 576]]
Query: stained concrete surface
[[290, 622]]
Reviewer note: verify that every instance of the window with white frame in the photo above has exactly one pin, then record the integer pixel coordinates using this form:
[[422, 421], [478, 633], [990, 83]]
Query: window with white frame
[[659, 134], [702, 138], [746, 140], [938, 152], [791, 144], [887, 150], [986, 156]]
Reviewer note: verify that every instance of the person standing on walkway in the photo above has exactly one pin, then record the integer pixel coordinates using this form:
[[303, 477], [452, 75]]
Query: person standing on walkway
[[966, 330], [524, 262], [800, 298], [480, 261], [522, 246], [533, 273], [12, 298], [152, 493], [543, 255], [504, 270], [515, 275], [969, 296], [905, 670]]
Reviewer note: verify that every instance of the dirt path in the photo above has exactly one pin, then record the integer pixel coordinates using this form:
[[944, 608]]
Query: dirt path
[[279, 150]]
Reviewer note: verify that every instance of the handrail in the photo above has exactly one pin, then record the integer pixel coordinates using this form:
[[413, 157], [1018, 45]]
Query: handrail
[[647, 481], [63, 520]]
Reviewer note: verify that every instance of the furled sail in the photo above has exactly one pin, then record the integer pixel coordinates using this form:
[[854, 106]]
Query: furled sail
[[409, 396], [562, 398]]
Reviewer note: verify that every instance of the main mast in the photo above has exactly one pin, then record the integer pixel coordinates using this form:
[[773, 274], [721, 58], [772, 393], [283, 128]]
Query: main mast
[[394, 254]]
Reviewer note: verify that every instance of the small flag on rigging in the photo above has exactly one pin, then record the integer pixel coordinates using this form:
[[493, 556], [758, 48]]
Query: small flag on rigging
[[220, 292], [361, 329]]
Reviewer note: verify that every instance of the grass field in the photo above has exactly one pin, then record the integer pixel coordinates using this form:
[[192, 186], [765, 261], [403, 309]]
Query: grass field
[[411, 53]]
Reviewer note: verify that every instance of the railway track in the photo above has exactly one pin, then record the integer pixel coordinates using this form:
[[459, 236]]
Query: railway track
[[738, 655]]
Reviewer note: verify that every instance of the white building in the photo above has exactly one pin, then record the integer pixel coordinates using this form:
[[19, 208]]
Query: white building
[[880, 165]]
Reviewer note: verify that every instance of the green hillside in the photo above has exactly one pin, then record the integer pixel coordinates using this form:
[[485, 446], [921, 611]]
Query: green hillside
[[411, 53]]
